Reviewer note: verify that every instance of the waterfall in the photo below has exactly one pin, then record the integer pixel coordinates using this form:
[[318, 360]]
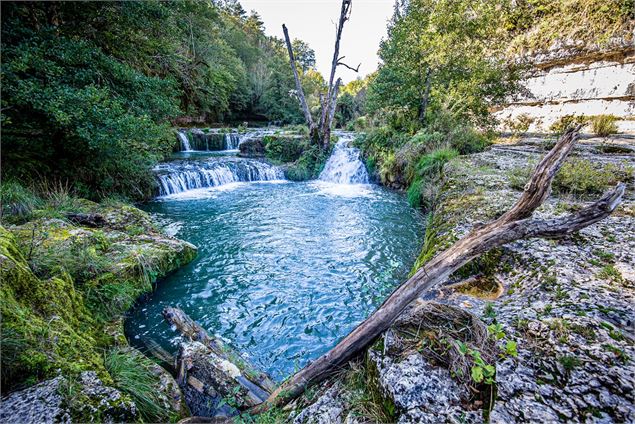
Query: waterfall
[[232, 141], [180, 176], [344, 166], [185, 141]]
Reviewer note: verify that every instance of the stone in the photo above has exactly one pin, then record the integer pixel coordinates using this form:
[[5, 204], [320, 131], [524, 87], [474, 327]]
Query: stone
[[42, 403]]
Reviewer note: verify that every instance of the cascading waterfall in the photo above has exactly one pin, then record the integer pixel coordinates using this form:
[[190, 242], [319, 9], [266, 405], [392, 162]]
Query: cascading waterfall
[[179, 176], [185, 141], [344, 166], [232, 141]]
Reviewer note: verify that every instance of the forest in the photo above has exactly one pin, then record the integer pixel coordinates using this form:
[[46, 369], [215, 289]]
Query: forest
[[199, 223]]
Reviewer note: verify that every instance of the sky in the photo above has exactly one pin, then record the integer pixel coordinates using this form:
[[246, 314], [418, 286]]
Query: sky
[[314, 21]]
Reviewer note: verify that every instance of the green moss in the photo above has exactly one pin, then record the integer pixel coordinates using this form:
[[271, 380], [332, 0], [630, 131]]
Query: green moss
[[62, 284]]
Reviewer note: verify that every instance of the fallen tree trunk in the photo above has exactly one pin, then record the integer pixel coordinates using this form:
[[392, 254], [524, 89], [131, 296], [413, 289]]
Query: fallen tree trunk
[[210, 372], [513, 225]]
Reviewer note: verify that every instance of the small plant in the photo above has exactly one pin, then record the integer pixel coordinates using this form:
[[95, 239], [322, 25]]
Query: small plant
[[609, 272], [489, 311], [481, 371], [133, 375], [520, 125], [581, 177], [604, 125], [511, 348], [569, 362]]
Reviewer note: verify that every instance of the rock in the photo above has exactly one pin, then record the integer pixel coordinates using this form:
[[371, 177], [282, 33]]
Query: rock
[[327, 409], [252, 148], [41, 403], [96, 402], [422, 393]]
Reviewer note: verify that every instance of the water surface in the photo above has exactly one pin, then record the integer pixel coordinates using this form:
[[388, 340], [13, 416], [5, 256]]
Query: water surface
[[284, 269]]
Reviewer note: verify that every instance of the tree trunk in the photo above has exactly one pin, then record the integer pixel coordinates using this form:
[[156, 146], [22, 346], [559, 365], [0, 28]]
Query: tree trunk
[[298, 85], [513, 225], [320, 133]]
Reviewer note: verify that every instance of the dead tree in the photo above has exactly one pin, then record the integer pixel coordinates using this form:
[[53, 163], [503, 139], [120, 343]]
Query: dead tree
[[320, 132], [515, 224]]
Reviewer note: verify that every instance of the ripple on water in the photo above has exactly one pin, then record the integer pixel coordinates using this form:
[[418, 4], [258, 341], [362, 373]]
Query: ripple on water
[[284, 270]]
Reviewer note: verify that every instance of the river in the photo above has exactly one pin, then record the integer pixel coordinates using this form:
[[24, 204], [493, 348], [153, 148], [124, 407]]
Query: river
[[285, 269]]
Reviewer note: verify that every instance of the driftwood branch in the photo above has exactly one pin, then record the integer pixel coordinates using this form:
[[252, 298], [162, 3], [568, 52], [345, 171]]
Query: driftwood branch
[[514, 225]]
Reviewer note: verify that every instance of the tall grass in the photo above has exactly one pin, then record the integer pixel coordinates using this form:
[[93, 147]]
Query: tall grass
[[133, 375]]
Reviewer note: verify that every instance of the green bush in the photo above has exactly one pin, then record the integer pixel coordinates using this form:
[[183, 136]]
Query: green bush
[[582, 177], [132, 373], [603, 125], [284, 149], [16, 202], [567, 121], [308, 166], [421, 191]]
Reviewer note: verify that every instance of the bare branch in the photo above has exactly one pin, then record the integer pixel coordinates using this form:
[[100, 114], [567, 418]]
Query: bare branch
[[298, 84], [350, 67]]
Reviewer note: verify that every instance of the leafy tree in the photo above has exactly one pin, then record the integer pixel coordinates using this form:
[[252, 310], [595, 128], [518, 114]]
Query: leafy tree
[[443, 54], [304, 55], [89, 89]]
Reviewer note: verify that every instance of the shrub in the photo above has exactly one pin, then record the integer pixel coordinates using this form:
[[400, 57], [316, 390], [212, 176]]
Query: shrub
[[429, 168], [16, 202], [520, 125], [132, 373], [582, 177], [284, 149], [567, 121], [308, 166], [603, 125]]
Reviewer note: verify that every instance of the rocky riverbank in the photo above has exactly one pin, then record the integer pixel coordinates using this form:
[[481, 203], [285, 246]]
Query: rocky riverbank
[[539, 330], [66, 283]]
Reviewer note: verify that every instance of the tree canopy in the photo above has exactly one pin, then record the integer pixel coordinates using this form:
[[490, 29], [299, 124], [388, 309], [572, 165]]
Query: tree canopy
[[89, 89]]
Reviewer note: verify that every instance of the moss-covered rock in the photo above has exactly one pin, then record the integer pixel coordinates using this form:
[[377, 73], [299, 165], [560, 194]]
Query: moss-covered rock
[[65, 287]]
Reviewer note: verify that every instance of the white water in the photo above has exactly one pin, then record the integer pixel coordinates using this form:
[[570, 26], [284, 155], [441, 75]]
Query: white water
[[232, 141], [185, 142], [344, 166], [180, 176]]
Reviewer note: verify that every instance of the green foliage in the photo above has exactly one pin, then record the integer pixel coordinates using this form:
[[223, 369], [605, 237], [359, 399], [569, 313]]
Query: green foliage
[[581, 177], [284, 149], [132, 373], [537, 24], [88, 89], [367, 400], [309, 165], [16, 202], [519, 125], [435, 59], [604, 125], [428, 169], [567, 121]]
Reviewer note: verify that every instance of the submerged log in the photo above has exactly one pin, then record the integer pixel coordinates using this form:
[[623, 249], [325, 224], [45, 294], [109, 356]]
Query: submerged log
[[515, 224], [216, 380]]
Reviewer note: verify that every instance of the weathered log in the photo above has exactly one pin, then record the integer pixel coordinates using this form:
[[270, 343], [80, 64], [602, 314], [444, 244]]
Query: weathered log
[[93, 220], [216, 381], [514, 225]]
